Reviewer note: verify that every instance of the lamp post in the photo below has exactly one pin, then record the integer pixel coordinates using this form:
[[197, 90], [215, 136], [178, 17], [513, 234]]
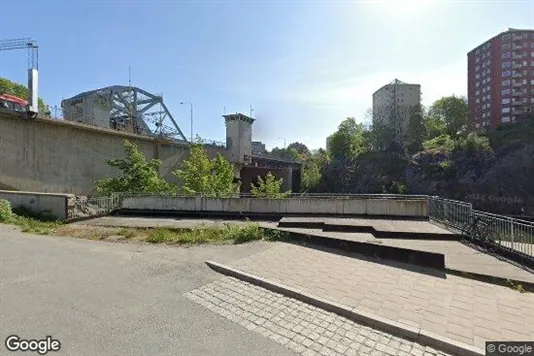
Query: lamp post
[[191, 113], [282, 138]]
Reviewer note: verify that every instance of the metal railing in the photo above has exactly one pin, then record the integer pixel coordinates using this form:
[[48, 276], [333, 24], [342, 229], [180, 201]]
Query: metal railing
[[289, 196], [508, 235], [453, 214]]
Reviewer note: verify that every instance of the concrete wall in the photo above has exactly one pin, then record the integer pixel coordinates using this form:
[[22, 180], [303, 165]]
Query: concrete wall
[[48, 155], [377, 207], [55, 204]]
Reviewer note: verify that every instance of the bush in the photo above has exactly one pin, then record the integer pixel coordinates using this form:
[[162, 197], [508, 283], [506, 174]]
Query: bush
[[6, 213], [440, 143], [473, 142]]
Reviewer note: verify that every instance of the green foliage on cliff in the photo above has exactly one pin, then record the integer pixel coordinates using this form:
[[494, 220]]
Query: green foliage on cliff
[[270, 187], [12, 88]]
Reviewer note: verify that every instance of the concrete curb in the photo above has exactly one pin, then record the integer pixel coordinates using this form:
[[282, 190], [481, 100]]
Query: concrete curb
[[425, 337]]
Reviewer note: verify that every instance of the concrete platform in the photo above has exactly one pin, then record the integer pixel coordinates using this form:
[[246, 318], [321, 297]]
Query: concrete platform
[[459, 257], [380, 228]]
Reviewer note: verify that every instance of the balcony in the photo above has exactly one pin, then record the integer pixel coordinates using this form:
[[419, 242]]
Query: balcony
[[517, 112], [516, 93], [516, 102], [517, 37], [517, 75], [517, 84], [516, 65], [516, 56]]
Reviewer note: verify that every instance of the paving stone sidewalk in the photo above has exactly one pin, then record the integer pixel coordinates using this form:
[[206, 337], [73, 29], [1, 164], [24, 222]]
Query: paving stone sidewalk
[[462, 309], [302, 328]]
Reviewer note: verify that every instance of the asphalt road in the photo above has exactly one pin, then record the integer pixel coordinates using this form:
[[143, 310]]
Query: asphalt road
[[101, 298]]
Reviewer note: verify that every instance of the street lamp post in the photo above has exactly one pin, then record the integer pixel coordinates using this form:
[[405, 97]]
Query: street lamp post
[[282, 138], [191, 113]]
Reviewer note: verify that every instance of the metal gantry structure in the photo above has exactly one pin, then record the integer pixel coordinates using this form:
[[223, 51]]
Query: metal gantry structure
[[33, 66], [124, 108]]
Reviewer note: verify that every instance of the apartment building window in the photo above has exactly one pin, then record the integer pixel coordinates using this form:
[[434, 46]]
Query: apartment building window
[[532, 100], [506, 92], [505, 65], [532, 82], [531, 63], [505, 110], [477, 51], [524, 72], [506, 73], [477, 68], [488, 106], [477, 92], [483, 55], [483, 81], [478, 101], [484, 107], [484, 115], [506, 101], [477, 76], [484, 98], [524, 81], [505, 46], [488, 97], [505, 37], [506, 55], [532, 45], [489, 61], [505, 82], [477, 84], [483, 64], [505, 119], [531, 54], [488, 89], [477, 125]]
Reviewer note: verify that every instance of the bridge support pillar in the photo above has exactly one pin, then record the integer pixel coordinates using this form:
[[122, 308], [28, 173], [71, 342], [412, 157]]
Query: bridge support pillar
[[288, 178]]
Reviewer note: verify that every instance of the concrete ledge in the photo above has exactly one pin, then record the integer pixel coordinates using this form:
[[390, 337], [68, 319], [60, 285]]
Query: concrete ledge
[[380, 234], [422, 336], [39, 203], [399, 254]]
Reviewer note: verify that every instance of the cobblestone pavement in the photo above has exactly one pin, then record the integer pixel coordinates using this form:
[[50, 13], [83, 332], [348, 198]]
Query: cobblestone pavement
[[302, 328], [459, 308]]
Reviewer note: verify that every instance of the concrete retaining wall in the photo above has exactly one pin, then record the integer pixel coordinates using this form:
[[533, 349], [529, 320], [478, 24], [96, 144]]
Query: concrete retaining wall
[[46, 155], [305, 206], [54, 204]]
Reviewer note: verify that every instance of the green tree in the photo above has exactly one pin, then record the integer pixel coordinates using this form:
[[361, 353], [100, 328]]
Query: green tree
[[349, 141], [270, 187], [451, 112], [137, 174], [18, 90], [301, 149], [416, 131], [199, 174]]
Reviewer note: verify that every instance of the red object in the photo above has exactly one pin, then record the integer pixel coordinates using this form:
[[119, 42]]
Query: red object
[[13, 99]]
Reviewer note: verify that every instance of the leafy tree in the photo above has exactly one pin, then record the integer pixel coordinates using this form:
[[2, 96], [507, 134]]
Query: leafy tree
[[451, 112], [18, 90], [199, 174], [269, 187], [416, 131], [301, 149], [349, 141], [137, 174]]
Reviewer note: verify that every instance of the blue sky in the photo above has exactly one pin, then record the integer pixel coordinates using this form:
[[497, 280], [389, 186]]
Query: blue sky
[[303, 65]]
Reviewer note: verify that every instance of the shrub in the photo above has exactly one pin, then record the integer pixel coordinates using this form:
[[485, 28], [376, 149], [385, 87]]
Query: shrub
[[6, 213], [441, 143], [473, 142]]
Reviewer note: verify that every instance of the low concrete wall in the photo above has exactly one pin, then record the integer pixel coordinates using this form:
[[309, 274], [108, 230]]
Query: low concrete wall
[[54, 204], [304, 206]]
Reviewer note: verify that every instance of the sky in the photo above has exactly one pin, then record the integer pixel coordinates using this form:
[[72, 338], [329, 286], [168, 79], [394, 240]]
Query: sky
[[304, 66]]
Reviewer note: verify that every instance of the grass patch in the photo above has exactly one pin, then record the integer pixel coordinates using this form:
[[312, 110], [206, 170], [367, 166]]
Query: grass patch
[[228, 233], [41, 224]]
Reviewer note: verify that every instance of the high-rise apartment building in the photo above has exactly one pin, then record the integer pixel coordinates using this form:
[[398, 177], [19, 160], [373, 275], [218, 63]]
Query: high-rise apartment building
[[393, 105], [500, 73]]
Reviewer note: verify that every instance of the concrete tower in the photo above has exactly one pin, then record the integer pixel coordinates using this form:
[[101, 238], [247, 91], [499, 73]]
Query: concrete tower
[[239, 137]]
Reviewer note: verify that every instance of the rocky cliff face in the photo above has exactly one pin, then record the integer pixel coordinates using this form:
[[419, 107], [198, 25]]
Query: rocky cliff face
[[501, 181]]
